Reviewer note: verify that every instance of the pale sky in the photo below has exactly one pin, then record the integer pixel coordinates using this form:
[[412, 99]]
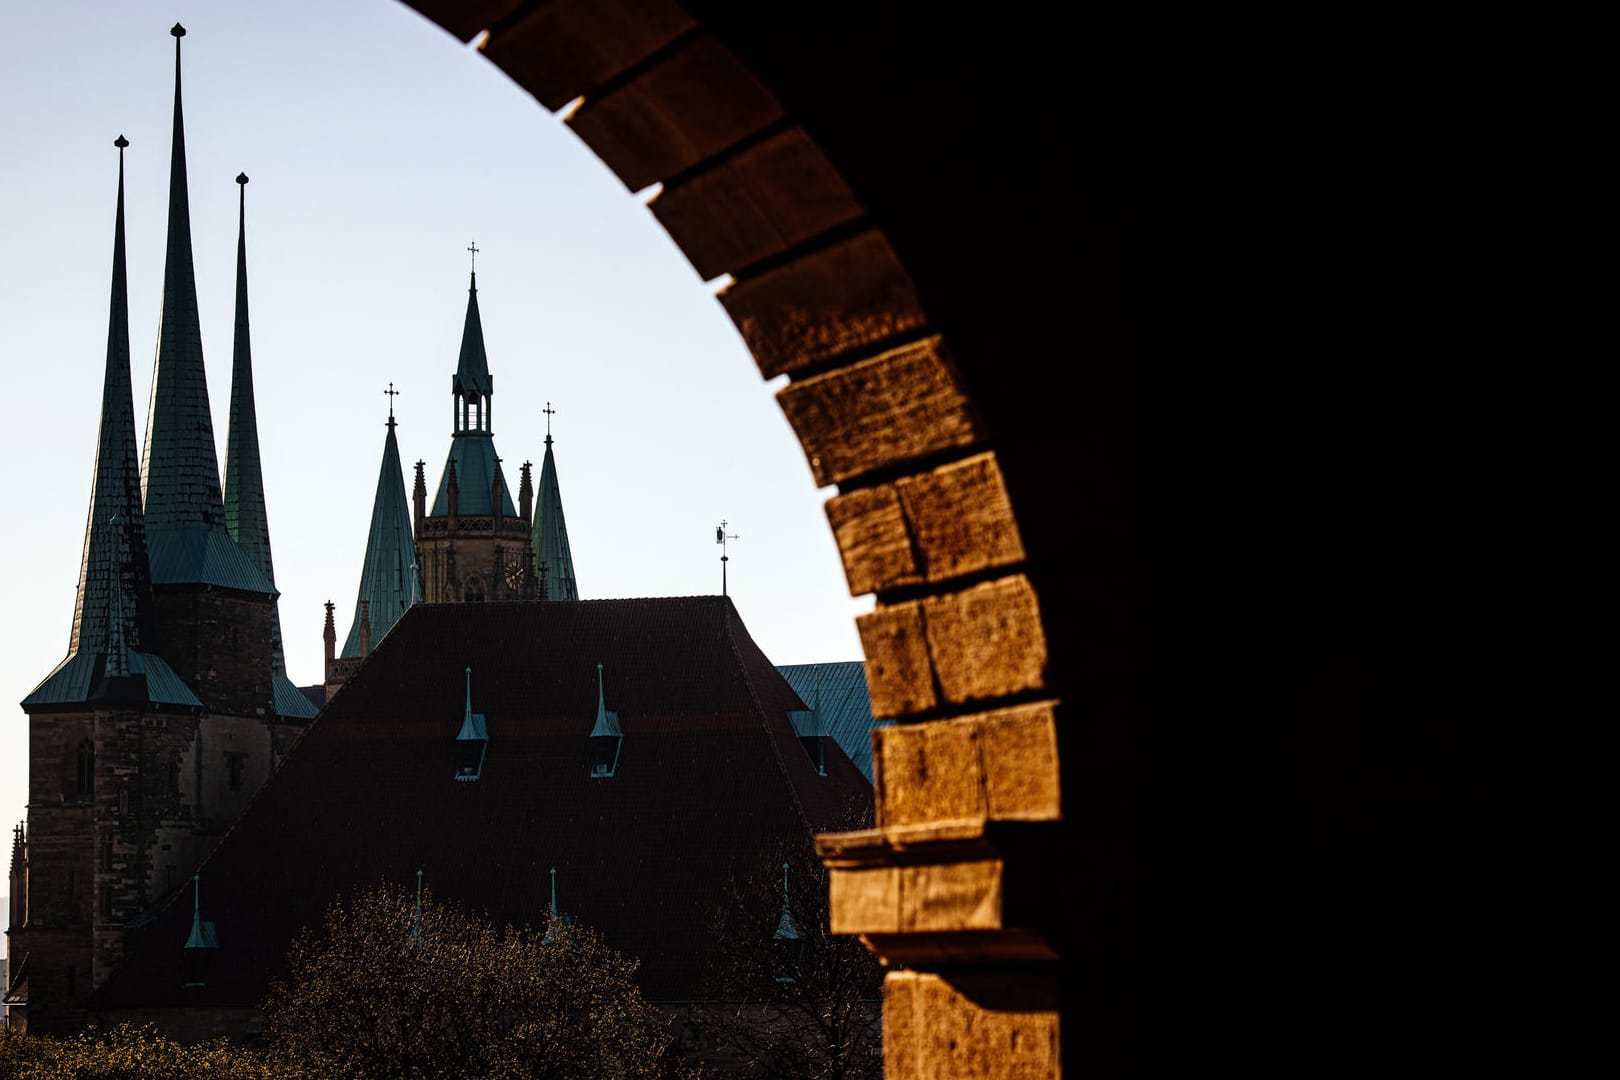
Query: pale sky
[[378, 147]]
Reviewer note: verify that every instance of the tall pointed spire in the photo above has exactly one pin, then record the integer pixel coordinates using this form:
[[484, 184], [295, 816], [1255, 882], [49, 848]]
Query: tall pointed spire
[[246, 518], [115, 588], [548, 537], [184, 504], [113, 614], [389, 579], [472, 380], [476, 466]]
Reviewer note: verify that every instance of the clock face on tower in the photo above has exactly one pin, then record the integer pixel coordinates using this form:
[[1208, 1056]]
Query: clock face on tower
[[514, 576]]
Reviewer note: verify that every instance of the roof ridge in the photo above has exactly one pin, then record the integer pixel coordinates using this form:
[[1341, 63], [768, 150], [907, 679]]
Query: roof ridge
[[727, 613]]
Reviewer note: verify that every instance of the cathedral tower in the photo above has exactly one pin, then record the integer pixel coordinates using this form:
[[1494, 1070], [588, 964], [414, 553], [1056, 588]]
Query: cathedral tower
[[474, 545], [150, 737]]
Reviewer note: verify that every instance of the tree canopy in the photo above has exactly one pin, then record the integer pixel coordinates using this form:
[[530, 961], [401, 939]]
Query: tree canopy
[[407, 988]]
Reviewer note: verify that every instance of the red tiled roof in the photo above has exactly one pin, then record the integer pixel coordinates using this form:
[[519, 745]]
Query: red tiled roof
[[710, 776]]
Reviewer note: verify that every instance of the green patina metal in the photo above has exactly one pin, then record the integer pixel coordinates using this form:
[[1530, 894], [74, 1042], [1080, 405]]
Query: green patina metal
[[113, 609], [472, 742], [202, 554], [77, 679], [472, 378], [476, 466], [389, 579], [180, 484], [548, 536], [607, 737], [843, 706]]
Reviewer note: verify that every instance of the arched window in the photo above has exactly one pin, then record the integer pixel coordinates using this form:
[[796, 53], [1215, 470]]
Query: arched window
[[84, 781]]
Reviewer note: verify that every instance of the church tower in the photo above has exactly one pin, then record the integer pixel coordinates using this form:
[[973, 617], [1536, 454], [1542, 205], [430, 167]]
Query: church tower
[[474, 545], [147, 741]]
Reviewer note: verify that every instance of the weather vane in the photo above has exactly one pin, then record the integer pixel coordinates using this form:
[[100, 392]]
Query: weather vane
[[720, 537]]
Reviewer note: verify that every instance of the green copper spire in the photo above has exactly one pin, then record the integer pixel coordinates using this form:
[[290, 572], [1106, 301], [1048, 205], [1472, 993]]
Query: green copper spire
[[472, 448], [114, 602], [548, 536], [389, 581], [245, 516], [246, 519], [184, 505], [113, 615], [472, 378]]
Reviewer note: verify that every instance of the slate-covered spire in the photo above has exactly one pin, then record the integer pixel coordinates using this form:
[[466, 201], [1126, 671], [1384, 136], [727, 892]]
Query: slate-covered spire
[[548, 536], [246, 518], [115, 589], [180, 487], [113, 615], [389, 580], [472, 379], [245, 515], [476, 466]]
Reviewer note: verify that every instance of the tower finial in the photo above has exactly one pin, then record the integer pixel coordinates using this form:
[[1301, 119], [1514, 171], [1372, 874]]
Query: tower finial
[[550, 412], [177, 31], [473, 247], [392, 394], [720, 537], [120, 142]]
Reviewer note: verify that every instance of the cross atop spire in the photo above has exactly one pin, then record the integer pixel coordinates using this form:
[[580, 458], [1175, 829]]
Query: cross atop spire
[[550, 412], [473, 247], [392, 394]]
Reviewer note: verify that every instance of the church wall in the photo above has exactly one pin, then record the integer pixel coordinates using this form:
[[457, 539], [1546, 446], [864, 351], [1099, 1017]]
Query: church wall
[[165, 788], [56, 939], [232, 758], [218, 641]]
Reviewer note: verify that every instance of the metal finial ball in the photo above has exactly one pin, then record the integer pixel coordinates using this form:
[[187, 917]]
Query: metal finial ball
[[177, 30], [120, 142], [241, 178]]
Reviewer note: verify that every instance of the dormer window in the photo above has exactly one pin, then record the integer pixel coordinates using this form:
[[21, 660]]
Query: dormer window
[[812, 731], [203, 942], [788, 942], [606, 737], [807, 726], [473, 741]]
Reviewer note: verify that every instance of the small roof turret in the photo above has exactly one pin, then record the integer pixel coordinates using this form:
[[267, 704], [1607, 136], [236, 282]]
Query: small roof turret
[[472, 743]]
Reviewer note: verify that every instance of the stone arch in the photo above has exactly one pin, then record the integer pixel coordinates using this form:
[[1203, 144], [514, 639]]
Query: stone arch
[[880, 265]]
